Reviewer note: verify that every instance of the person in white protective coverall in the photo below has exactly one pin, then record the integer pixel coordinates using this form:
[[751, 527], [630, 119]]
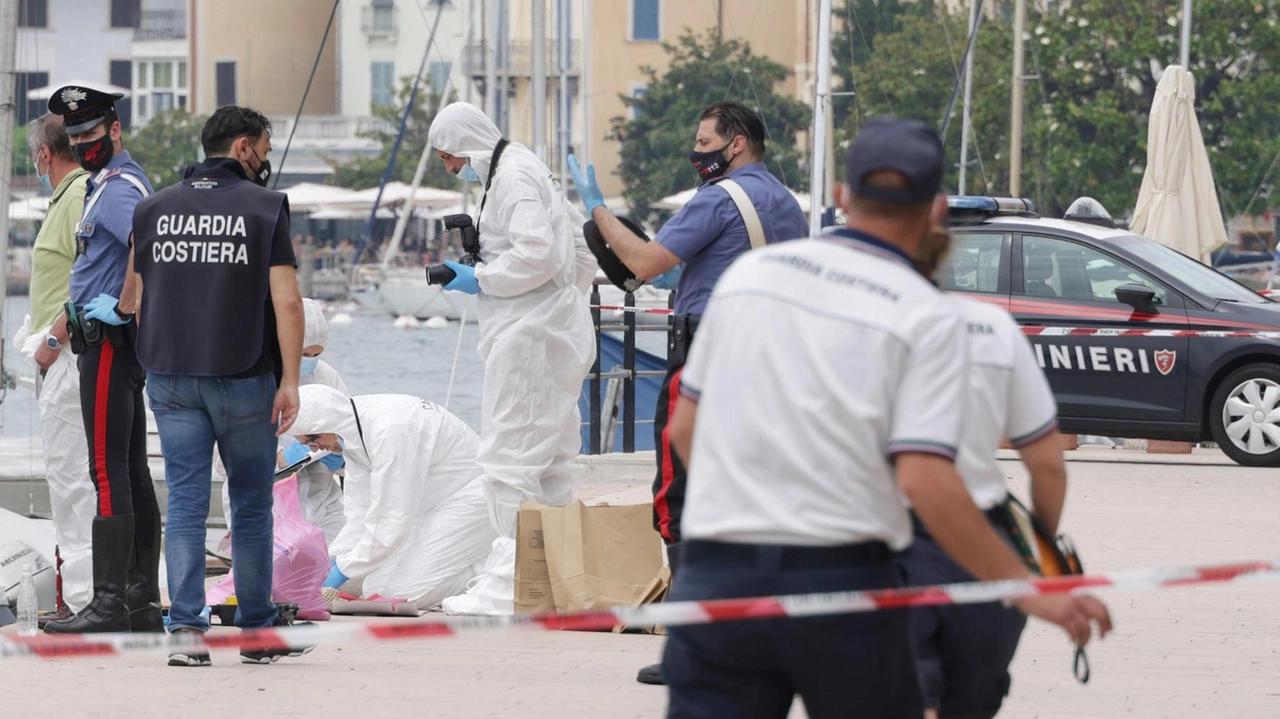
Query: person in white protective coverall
[[536, 336], [318, 492], [417, 524]]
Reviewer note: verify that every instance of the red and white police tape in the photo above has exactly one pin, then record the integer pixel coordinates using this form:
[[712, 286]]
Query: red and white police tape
[[1117, 332], [666, 614]]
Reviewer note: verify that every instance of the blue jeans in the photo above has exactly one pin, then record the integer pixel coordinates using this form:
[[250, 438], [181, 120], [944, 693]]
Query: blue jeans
[[192, 414]]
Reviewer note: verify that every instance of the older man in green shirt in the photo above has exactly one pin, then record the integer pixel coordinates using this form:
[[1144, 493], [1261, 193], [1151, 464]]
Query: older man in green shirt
[[61, 422]]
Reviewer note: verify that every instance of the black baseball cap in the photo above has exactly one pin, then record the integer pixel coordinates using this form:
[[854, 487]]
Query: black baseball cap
[[82, 107], [908, 147]]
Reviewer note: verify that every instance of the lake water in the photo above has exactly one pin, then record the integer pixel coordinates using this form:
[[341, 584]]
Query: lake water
[[373, 356]]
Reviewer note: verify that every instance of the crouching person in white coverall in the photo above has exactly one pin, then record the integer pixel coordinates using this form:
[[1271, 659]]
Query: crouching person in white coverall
[[318, 492], [536, 338], [417, 525]]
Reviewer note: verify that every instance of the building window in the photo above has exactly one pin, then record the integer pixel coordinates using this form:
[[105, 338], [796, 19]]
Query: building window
[[646, 20], [33, 13], [120, 74], [636, 94], [380, 17], [162, 85], [381, 83], [126, 13], [439, 74], [225, 82], [25, 82]]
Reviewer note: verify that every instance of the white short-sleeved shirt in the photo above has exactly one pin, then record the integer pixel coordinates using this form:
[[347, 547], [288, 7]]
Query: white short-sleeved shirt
[[1009, 397], [816, 362]]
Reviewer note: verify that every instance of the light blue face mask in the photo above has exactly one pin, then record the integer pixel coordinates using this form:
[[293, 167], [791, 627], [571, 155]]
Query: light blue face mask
[[308, 366], [44, 179], [469, 174]]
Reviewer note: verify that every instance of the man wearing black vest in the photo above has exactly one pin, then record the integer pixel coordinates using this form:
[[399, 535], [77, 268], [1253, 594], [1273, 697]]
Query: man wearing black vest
[[220, 335]]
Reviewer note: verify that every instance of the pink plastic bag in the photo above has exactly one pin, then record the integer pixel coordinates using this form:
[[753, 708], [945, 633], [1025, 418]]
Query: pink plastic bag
[[300, 559]]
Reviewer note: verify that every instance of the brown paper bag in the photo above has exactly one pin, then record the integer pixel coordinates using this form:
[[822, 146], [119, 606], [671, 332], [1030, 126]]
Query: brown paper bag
[[600, 557], [654, 593], [533, 583]]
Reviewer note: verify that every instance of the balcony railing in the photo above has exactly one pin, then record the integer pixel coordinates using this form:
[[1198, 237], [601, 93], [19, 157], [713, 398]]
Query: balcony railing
[[161, 25], [328, 129], [516, 58]]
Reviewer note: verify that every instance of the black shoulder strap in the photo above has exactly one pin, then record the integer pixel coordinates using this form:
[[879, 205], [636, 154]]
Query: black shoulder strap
[[359, 429], [493, 166]]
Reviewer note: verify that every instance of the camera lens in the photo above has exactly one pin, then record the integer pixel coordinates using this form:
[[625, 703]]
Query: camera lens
[[440, 274]]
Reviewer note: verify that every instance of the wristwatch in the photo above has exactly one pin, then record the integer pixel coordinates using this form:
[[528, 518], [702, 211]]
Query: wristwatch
[[53, 343]]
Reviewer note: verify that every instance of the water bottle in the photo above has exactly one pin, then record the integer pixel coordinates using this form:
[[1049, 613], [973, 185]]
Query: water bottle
[[28, 607]]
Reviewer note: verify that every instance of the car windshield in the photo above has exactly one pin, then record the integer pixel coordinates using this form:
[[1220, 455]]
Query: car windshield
[[1198, 276]]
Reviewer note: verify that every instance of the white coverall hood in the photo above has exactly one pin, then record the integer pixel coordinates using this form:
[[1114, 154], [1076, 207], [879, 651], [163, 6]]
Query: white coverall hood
[[315, 329], [416, 518], [463, 130]]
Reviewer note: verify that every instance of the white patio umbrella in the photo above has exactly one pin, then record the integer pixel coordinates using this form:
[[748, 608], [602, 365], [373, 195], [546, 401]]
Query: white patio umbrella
[[310, 196], [1178, 202]]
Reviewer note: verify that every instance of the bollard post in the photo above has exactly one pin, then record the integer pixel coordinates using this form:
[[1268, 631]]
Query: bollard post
[[629, 384]]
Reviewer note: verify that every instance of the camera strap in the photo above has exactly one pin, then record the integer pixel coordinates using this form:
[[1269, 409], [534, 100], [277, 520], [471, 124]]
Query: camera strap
[[493, 167]]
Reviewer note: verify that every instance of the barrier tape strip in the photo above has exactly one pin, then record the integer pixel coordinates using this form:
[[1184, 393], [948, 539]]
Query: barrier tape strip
[[1117, 332], [666, 614], [638, 310]]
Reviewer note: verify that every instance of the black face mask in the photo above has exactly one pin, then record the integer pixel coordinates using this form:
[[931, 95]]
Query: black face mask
[[263, 173], [94, 154], [710, 165]]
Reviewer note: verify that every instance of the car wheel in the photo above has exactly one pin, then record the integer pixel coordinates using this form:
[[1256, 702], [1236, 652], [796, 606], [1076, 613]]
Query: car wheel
[[1244, 416]]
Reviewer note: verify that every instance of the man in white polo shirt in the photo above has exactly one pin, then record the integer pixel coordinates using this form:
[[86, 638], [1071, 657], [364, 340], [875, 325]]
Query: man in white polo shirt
[[963, 652], [829, 377]]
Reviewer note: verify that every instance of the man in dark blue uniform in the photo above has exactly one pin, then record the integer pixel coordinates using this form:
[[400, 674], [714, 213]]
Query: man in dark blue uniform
[[126, 531], [222, 342], [704, 237], [221, 339]]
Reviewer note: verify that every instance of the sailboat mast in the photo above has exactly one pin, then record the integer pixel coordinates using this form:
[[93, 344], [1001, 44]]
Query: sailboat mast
[[538, 78], [966, 125], [1015, 129], [821, 98]]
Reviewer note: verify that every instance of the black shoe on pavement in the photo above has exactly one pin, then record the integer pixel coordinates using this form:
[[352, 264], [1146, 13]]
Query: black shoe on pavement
[[266, 656], [189, 656], [651, 674]]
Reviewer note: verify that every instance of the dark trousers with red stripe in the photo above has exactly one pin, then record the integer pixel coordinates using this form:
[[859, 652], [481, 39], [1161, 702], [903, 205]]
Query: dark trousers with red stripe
[[115, 421], [669, 485]]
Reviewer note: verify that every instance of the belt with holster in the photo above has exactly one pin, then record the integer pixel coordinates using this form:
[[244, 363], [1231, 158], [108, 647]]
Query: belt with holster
[[86, 334], [681, 339]]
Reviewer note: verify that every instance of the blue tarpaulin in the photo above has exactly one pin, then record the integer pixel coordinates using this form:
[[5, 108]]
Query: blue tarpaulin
[[647, 389]]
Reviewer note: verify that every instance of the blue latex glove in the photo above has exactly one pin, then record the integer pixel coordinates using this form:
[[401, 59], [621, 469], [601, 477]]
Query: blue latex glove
[[103, 309], [588, 190], [295, 453], [465, 281], [336, 578], [668, 280], [334, 462]]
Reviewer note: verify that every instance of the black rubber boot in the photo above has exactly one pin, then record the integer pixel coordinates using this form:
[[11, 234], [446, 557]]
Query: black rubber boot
[[143, 592], [112, 555]]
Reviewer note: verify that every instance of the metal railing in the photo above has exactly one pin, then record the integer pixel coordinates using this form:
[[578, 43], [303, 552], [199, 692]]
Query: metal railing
[[601, 429], [516, 58], [161, 25]]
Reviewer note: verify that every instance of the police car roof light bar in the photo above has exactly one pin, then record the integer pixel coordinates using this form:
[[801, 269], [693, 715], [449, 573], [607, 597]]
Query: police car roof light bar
[[983, 207]]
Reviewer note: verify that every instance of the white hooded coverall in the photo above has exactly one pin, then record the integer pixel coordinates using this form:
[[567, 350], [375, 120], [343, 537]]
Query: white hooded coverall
[[66, 461], [416, 520], [318, 492], [537, 342]]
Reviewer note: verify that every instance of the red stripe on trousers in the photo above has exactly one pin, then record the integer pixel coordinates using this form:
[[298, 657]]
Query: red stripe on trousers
[[668, 467], [100, 394]]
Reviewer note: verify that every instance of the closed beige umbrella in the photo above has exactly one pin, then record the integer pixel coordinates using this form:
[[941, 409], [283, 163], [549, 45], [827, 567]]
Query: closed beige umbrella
[[1178, 202]]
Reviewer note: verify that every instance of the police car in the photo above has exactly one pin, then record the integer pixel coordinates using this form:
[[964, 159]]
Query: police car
[[1137, 340]]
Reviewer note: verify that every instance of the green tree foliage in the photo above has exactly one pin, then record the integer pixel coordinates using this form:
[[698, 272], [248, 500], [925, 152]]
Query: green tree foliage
[[1092, 68], [22, 164], [165, 145], [656, 142], [364, 172]]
